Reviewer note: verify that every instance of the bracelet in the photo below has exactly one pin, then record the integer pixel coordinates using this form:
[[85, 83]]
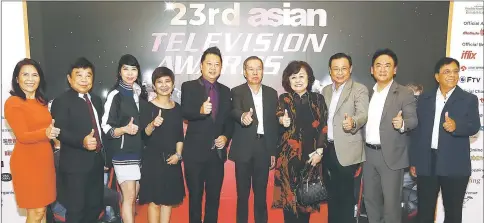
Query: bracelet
[[179, 156]]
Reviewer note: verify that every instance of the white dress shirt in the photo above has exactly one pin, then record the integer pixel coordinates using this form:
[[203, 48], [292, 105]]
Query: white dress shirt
[[259, 110], [375, 111], [440, 101], [95, 114], [332, 108]]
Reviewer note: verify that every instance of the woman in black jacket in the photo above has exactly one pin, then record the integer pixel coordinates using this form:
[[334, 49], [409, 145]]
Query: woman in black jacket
[[120, 124]]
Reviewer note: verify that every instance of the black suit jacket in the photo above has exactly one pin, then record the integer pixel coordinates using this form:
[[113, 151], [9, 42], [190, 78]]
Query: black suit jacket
[[453, 148], [244, 137], [72, 116], [202, 130]]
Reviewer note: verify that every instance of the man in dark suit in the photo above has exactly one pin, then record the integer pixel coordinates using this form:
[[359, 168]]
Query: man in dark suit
[[254, 141], [81, 164], [206, 105], [440, 152]]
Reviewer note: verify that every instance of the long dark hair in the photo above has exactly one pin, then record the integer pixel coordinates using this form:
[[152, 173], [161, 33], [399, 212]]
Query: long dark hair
[[17, 91], [130, 60]]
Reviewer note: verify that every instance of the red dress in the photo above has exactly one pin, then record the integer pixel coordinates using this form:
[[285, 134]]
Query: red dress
[[32, 160]]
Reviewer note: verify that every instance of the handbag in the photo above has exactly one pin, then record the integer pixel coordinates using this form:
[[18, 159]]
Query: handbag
[[311, 189]]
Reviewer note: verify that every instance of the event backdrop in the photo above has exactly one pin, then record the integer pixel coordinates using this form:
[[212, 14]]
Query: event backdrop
[[175, 35]]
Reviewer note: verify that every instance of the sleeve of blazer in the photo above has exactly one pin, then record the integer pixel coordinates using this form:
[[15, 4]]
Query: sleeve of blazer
[[415, 138], [190, 107], [409, 110], [276, 126], [468, 124], [361, 107], [236, 105], [110, 119], [322, 140], [228, 126], [60, 112]]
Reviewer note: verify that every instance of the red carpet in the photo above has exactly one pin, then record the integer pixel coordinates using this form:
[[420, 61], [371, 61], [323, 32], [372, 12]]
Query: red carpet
[[228, 203]]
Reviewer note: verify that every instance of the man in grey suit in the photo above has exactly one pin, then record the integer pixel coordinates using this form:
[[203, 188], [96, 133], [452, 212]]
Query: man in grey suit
[[348, 111], [391, 114]]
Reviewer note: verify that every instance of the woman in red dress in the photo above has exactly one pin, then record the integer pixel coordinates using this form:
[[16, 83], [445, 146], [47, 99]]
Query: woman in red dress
[[32, 161]]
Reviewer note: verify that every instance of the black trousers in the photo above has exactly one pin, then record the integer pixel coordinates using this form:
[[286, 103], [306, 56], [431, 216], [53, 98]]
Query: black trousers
[[290, 217], [82, 194], [340, 183], [255, 172], [207, 175], [453, 189]]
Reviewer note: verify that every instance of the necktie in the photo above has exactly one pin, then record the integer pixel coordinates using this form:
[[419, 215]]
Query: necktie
[[93, 122], [213, 100]]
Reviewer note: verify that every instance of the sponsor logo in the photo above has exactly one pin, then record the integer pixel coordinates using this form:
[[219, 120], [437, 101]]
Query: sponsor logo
[[464, 79], [477, 158], [7, 192], [474, 33], [471, 68], [473, 23], [474, 91], [9, 142], [477, 9], [476, 150], [8, 152], [474, 44], [468, 55], [477, 170], [6, 177], [475, 180]]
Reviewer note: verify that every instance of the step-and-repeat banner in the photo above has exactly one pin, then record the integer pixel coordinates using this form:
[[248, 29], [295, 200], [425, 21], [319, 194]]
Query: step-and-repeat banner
[[175, 35]]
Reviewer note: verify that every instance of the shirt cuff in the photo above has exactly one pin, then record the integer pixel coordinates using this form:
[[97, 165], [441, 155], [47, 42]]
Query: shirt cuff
[[111, 131], [402, 129]]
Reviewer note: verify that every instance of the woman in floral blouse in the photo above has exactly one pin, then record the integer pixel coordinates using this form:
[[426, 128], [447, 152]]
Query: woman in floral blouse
[[303, 116]]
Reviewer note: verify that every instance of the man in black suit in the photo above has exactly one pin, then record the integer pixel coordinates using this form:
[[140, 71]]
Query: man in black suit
[[206, 105], [81, 164], [440, 151], [254, 141]]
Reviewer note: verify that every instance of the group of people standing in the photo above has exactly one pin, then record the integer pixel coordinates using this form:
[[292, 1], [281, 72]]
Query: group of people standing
[[331, 134]]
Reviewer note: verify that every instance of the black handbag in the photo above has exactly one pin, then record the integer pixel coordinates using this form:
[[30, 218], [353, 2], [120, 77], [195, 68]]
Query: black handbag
[[311, 189]]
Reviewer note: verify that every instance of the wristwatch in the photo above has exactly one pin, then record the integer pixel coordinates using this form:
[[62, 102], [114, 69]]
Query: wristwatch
[[179, 156]]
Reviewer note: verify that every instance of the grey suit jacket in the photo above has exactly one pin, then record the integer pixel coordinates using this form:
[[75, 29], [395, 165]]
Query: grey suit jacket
[[349, 145], [393, 142]]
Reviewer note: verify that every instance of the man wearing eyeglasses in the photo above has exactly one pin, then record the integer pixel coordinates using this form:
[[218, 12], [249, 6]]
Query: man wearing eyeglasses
[[440, 151], [347, 101]]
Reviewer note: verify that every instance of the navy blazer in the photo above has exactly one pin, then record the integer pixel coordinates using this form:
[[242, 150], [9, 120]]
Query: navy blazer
[[453, 148]]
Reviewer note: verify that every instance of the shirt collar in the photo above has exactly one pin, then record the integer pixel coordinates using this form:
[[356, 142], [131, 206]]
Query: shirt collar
[[340, 87], [208, 83], [384, 89], [439, 93], [82, 95], [258, 93]]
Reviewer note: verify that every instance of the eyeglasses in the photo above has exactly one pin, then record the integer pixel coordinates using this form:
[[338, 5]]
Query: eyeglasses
[[449, 72], [337, 69]]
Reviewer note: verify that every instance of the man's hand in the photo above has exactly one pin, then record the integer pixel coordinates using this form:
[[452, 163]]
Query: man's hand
[[247, 117], [285, 120], [206, 107], [348, 123], [449, 124], [398, 121], [90, 142], [220, 141], [413, 171]]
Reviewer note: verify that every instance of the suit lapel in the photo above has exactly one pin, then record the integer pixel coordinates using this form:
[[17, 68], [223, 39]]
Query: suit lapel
[[328, 94], [453, 97], [344, 95], [249, 100], [392, 93]]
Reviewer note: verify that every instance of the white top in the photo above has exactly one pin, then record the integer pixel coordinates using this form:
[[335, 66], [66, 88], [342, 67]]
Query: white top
[[440, 101], [332, 108], [259, 109], [375, 111]]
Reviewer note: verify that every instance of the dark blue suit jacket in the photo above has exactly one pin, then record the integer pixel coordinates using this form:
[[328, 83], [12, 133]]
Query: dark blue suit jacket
[[453, 148]]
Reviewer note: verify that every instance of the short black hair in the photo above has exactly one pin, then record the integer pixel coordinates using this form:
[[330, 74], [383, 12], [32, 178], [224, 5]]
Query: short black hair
[[81, 62], [387, 52], [339, 56], [17, 91], [444, 61], [212, 50], [162, 72], [293, 68], [252, 58]]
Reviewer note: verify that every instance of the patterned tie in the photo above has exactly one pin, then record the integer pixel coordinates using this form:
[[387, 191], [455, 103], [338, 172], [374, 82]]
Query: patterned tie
[[93, 122], [213, 100]]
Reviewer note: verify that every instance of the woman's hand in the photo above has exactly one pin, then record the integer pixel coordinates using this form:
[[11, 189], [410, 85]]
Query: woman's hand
[[173, 159], [285, 120], [315, 159]]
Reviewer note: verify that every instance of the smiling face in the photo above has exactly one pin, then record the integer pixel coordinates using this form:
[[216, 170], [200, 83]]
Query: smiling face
[[448, 76], [164, 86], [340, 70], [28, 80], [129, 74], [383, 69], [211, 67], [299, 81], [81, 79]]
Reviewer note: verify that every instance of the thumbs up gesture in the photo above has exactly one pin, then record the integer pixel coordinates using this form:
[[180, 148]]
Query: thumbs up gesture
[[90, 142], [449, 123], [206, 107], [52, 132], [158, 120], [398, 120], [285, 120], [347, 123], [247, 117], [131, 128]]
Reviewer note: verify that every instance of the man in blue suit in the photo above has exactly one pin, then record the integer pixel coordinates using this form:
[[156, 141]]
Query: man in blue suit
[[440, 153]]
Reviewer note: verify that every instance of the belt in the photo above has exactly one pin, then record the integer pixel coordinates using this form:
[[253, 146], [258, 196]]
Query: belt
[[371, 146], [259, 136]]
